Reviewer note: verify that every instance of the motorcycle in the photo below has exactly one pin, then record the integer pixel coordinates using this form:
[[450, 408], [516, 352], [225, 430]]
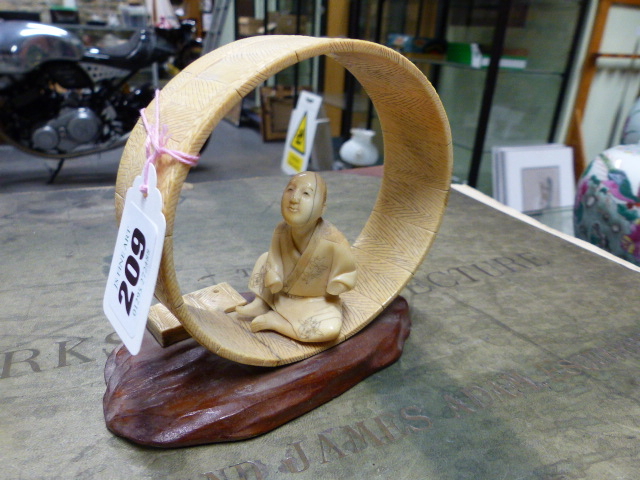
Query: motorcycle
[[60, 99]]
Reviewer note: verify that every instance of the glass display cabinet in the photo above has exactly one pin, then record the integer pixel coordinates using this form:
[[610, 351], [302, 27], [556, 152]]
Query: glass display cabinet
[[489, 103], [281, 17]]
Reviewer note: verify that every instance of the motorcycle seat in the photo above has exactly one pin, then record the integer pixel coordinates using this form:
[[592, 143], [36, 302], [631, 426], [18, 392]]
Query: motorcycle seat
[[142, 48]]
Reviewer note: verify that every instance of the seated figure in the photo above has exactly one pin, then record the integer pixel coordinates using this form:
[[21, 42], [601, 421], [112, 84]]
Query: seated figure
[[309, 264]]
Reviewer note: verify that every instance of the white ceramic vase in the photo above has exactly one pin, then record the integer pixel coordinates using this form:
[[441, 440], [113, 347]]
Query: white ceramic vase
[[359, 150]]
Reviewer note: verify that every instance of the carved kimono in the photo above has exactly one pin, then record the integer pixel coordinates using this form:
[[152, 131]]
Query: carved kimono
[[306, 276]]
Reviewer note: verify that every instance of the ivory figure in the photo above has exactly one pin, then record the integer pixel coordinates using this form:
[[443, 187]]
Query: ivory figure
[[298, 282], [403, 223]]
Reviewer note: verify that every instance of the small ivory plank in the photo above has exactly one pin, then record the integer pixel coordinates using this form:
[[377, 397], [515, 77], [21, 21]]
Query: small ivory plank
[[167, 329]]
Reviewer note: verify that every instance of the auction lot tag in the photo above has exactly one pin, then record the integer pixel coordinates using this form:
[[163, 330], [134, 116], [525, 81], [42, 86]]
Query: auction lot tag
[[135, 263]]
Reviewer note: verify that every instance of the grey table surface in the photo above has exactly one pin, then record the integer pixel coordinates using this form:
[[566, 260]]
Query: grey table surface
[[522, 362]]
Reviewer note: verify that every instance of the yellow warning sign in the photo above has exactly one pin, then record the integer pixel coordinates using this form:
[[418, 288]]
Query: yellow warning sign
[[295, 161], [299, 141], [301, 133]]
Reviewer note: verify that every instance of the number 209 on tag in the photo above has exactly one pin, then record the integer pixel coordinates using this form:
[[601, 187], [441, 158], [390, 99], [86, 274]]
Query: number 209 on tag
[[132, 271], [134, 267]]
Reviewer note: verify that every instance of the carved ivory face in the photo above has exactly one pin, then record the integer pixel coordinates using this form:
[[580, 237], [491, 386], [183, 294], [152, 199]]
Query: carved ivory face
[[303, 200]]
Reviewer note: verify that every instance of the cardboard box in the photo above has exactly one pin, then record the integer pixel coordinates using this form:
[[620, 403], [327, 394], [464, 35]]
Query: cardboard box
[[286, 24], [276, 104], [248, 26]]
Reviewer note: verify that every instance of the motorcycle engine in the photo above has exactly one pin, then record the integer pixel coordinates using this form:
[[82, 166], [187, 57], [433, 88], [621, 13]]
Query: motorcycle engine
[[73, 127]]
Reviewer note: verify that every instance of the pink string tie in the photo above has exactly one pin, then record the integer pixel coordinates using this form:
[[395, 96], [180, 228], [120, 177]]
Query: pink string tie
[[155, 145]]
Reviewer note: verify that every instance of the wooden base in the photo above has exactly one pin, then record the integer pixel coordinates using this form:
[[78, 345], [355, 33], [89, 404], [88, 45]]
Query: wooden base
[[185, 395]]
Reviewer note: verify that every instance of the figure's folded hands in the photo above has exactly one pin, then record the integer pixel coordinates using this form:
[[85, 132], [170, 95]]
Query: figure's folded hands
[[273, 282]]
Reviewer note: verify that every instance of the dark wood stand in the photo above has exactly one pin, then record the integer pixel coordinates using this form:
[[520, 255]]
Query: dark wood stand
[[184, 395]]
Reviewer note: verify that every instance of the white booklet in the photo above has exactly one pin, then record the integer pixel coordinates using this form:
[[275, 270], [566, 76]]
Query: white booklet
[[534, 177]]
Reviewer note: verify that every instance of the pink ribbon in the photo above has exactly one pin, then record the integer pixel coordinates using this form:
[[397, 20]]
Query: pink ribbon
[[156, 145]]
